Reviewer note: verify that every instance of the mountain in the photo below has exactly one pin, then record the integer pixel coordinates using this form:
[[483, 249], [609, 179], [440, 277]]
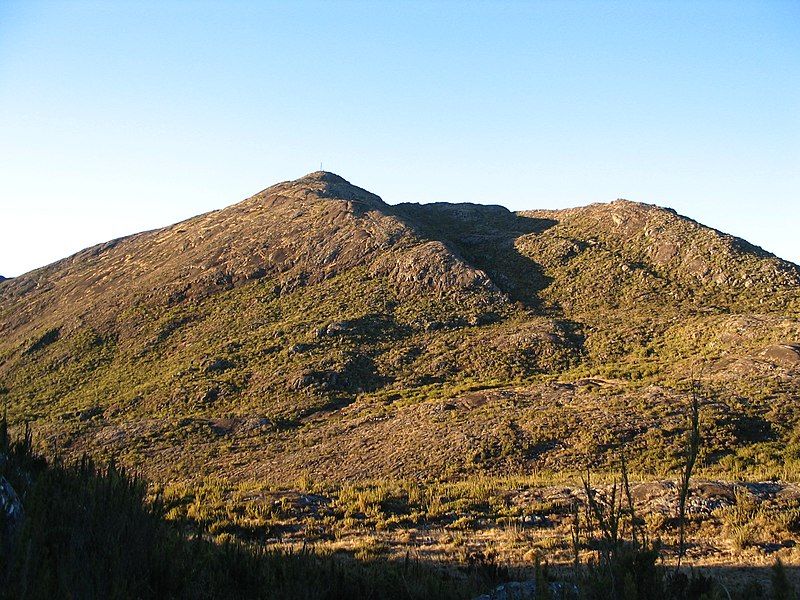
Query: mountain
[[315, 329]]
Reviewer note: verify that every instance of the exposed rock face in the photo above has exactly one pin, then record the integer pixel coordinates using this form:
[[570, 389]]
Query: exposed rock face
[[788, 354], [434, 266]]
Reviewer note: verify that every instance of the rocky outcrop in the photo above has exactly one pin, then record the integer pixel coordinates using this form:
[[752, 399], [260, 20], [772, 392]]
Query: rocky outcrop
[[10, 508], [785, 354], [526, 590], [432, 265]]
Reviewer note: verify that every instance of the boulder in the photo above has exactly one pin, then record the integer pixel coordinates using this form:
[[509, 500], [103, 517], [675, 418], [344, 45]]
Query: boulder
[[218, 365], [338, 328], [526, 590], [10, 508], [786, 354]]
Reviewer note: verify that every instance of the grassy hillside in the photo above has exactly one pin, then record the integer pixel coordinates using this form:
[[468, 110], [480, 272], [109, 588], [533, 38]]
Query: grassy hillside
[[313, 330]]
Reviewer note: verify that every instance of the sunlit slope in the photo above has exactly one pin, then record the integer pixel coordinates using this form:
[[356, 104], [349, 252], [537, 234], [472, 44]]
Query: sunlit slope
[[314, 328]]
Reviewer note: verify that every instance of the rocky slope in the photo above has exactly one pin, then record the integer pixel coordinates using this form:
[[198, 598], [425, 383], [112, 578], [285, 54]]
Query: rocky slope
[[312, 328]]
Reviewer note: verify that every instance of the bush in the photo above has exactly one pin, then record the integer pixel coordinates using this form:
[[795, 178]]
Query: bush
[[88, 532]]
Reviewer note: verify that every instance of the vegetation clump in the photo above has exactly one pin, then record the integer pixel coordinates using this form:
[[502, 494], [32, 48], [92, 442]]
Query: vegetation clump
[[89, 532]]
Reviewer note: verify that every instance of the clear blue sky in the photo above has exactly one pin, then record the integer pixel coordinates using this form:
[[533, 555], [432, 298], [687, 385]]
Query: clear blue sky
[[119, 117]]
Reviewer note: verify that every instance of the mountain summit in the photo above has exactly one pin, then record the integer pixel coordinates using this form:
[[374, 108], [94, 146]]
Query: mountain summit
[[313, 328], [330, 185]]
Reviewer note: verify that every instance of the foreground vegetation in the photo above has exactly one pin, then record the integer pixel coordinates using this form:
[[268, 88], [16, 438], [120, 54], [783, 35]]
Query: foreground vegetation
[[91, 532], [88, 532]]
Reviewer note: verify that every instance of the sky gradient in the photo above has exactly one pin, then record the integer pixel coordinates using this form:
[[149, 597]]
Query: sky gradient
[[120, 117]]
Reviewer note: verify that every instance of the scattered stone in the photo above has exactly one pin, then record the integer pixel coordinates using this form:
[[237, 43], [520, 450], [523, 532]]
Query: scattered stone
[[434, 326], [209, 395], [254, 424], [224, 426], [90, 413], [321, 380], [10, 508], [218, 365], [312, 500], [299, 348], [486, 318], [338, 328], [526, 590]]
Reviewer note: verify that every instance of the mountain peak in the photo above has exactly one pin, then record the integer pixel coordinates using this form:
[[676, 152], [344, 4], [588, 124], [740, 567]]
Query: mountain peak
[[323, 176], [325, 184], [312, 304]]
